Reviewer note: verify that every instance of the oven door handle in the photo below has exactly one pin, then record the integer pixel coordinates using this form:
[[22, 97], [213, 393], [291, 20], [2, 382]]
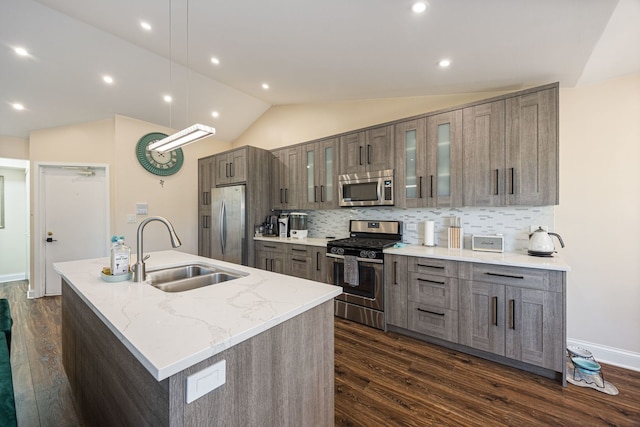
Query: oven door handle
[[363, 260]]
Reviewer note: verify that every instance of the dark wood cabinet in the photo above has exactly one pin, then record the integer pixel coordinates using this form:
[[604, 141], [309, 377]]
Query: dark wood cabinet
[[286, 179], [320, 174], [511, 151], [231, 167], [367, 150]]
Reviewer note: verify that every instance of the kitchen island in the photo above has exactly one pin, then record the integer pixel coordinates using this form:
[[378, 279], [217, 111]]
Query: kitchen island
[[129, 348]]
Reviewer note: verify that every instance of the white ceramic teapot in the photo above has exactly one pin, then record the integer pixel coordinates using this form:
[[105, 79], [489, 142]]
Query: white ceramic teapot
[[541, 244]]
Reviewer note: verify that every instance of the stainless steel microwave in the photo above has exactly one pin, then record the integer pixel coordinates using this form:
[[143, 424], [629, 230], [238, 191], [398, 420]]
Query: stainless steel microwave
[[367, 189]]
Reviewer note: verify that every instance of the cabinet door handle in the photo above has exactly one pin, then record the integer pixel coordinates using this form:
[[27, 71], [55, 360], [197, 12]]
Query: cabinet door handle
[[512, 308], [510, 276], [431, 185], [420, 188], [430, 312], [360, 155], [430, 281], [205, 221], [286, 195], [299, 260], [512, 180], [497, 192], [368, 154], [395, 272], [317, 261], [271, 264], [494, 311], [315, 194], [269, 247], [322, 193], [431, 266], [298, 250], [226, 170], [281, 198], [231, 170], [204, 198]]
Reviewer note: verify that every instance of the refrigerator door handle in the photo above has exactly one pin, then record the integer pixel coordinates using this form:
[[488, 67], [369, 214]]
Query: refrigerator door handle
[[222, 226]]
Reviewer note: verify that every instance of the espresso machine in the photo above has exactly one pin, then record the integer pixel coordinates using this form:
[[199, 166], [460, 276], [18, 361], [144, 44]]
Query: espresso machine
[[270, 226], [283, 225]]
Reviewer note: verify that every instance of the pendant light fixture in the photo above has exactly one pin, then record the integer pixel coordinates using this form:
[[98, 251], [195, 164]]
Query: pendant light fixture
[[192, 133]]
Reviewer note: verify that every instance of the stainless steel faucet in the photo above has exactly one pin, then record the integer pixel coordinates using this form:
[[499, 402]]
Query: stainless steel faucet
[[139, 272]]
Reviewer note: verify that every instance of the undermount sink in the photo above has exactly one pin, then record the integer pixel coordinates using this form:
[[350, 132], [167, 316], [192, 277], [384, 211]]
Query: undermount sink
[[188, 277]]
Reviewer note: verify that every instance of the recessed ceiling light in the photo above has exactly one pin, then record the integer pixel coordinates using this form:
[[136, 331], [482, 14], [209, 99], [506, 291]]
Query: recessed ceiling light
[[21, 51], [107, 79], [419, 7], [215, 114], [17, 106], [265, 86], [444, 63], [145, 25], [167, 98], [215, 60]]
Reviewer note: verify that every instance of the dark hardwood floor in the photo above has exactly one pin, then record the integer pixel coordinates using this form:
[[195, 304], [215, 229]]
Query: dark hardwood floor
[[386, 379], [382, 379]]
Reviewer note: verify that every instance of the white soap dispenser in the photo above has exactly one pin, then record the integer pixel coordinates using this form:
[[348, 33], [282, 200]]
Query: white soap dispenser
[[120, 256]]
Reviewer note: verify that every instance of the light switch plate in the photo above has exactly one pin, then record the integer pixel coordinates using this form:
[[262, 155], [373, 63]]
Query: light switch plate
[[142, 208], [206, 380], [131, 219]]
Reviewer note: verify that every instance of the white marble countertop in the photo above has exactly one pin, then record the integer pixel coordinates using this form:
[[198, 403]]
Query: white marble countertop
[[311, 241], [514, 259], [168, 332]]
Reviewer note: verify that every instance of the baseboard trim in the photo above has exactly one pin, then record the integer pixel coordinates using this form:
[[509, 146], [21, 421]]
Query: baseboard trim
[[610, 355], [13, 277]]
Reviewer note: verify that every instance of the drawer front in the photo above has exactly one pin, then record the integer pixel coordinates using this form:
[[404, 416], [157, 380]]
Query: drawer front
[[433, 321], [300, 250], [436, 291], [300, 266], [437, 267], [515, 276], [269, 246]]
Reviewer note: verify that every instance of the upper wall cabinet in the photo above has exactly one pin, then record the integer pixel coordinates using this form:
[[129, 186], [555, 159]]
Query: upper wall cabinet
[[286, 183], [365, 151], [484, 154], [532, 149], [429, 161], [320, 174], [231, 167], [511, 151]]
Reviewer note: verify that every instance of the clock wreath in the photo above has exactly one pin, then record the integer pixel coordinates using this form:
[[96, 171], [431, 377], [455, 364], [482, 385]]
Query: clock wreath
[[162, 164]]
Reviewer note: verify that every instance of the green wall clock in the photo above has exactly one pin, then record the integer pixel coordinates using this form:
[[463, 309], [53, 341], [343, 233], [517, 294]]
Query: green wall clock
[[162, 164]]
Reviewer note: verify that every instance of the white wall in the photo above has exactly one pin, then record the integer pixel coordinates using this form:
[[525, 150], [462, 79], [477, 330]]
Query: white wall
[[112, 142], [599, 211], [13, 240]]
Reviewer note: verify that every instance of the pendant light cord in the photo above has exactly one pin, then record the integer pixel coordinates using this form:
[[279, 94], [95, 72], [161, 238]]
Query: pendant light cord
[[170, 67], [188, 71]]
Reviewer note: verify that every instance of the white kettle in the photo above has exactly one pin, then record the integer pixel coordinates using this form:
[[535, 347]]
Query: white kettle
[[541, 244]]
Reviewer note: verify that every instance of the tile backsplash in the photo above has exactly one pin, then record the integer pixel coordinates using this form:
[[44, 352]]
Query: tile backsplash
[[512, 222]]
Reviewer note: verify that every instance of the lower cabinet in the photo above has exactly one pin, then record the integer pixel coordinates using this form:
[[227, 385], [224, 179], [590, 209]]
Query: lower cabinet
[[270, 256], [512, 312], [298, 260]]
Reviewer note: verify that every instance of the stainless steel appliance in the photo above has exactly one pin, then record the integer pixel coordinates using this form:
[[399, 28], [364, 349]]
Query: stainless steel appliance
[[357, 264], [367, 189], [228, 231], [271, 225], [298, 225]]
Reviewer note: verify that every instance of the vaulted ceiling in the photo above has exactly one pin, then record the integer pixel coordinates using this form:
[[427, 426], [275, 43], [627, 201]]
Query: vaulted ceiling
[[307, 52]]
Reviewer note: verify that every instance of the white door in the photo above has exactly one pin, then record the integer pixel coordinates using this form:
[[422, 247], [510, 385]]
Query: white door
[[75, 218]]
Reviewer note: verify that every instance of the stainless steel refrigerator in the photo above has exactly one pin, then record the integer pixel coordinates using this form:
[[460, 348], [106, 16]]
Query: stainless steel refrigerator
[[228, 228]]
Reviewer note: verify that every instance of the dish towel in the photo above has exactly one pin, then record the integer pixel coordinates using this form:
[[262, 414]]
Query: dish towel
[[351, 270]]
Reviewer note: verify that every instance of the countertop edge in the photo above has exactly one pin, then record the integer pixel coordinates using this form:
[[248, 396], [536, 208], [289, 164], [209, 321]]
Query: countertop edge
[[512, 259]]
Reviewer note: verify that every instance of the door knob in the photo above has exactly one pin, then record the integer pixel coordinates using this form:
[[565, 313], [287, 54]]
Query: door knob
[[49, 238]]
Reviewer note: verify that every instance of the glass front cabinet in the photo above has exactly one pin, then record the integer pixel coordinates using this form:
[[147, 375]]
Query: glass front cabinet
[[429, 161], [320, 174]]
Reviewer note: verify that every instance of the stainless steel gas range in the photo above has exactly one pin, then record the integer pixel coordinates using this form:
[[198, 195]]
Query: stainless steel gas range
[[357, 265]]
